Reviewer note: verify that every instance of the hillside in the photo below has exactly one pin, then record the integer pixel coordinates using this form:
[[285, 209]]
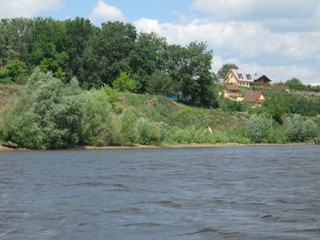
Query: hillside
[[95, 118], [163, 110]]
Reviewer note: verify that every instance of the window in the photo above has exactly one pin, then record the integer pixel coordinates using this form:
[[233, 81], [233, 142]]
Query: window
[[240, 76], [248, 76]]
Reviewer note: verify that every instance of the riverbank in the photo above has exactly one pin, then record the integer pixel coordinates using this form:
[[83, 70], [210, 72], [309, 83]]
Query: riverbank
[[188, 146], [6, 149]]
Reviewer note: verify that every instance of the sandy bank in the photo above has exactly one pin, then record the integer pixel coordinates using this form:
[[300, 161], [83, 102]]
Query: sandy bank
[[6, 149]]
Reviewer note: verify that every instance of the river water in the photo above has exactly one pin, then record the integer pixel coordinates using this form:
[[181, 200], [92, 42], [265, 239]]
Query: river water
[[194, 193]]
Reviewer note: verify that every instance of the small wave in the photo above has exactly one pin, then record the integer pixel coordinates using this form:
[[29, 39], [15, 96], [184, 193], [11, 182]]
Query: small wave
[[316, 230], [271, 217], [91, 184], [151, 224], [169, 204], [120, 187], [203, 230]]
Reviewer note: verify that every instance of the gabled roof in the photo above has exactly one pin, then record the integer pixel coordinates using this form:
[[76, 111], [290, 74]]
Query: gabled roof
[[263, 78], [241, 75], [232, 87], [252, 96]]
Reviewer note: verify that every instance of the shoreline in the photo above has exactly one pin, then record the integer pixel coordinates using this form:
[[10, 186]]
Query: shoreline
[[177, 146]]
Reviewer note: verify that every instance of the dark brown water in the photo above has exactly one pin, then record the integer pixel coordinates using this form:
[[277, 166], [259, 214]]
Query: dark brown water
[[200, 193]]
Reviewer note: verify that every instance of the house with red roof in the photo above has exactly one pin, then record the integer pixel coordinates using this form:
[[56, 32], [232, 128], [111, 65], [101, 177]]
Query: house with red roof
[[256, 98], [263, 80], [231, 91]]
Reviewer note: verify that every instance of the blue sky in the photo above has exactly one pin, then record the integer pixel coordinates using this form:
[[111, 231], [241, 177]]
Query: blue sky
[[271, 37]]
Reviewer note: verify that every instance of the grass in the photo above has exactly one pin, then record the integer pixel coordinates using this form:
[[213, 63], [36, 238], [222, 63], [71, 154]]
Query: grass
[[163, 110]]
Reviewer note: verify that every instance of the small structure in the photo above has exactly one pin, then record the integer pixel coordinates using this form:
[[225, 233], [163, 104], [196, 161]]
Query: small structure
[[231, 91], [238, 77], [263, 80], [256, 98]]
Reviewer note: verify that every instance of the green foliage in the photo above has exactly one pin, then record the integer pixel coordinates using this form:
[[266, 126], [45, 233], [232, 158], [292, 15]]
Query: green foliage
[[259, 128], [3, 73], [128, 132], [192, 135], [160, 84], [280, 103], [124, 83], [149, 133], [112, 94], [46, 114], [229, 105], [299, 130], [16, 70], [295, 84], [223, 71], [97, 120]]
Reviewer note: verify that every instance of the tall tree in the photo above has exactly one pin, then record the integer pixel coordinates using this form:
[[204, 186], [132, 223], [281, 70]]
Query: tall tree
[[146, 57], [116, 41], [78, 34], [223, 71]]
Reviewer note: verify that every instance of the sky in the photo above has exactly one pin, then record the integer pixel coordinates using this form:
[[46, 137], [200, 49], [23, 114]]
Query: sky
[[276, 38]]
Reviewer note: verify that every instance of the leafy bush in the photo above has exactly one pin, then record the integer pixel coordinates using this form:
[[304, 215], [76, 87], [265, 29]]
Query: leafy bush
[[228, 105], [300, 130], [128, 131], [16, 70], [259, 128], [124, 83], [46, 114], [149, 133], [97, 119]]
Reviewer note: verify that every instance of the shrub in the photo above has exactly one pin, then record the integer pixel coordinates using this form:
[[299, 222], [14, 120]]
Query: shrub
[[300, 130], [128, 131], [259, 128], [97, 120], [228, 105], [124, 83], [46, 113], [149, 133]]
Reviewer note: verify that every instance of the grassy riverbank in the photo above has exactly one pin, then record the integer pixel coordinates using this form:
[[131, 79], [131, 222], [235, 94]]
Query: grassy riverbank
[[107, 118]]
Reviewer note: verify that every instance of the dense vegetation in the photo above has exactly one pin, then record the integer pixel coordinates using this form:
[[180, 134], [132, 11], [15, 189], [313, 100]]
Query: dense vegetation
[[98, 55], [70, 83], [47, 113]]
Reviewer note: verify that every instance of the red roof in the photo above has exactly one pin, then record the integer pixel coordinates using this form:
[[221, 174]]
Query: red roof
[[264, 79], [232, 87], [252, 96]]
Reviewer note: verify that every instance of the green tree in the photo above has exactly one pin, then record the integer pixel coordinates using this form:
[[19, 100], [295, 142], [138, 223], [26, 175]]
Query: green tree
[[16, 70], [124, 83], [223, 71], [295, 84], [46, 114], [189, 68], [79, 33], [147, 57], [160, 84], [116, 41]]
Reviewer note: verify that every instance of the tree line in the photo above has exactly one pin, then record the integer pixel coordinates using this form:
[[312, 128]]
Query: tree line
[[97, 56]]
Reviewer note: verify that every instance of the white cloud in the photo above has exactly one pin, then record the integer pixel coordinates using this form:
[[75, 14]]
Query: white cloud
[[253, 9], [103, 12], [250, 45], [26, 8]]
